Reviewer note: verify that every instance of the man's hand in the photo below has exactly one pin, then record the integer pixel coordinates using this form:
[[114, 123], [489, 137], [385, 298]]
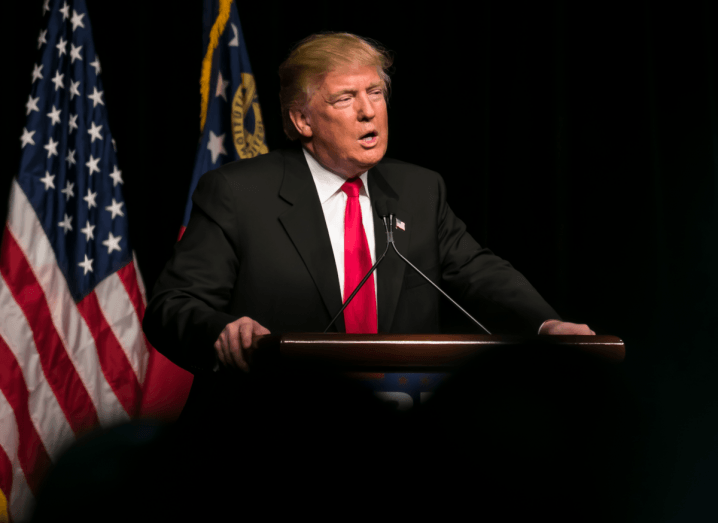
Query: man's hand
[[564, 327], [235, 338]]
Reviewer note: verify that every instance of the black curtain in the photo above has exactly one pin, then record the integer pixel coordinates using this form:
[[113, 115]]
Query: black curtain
[[578, 140]]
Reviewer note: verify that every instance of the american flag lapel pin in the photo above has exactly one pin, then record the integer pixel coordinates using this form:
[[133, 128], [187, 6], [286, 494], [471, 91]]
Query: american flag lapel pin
[[400, 224]]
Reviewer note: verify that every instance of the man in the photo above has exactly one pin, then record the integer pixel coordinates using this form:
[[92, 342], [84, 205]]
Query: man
[[266, 248]]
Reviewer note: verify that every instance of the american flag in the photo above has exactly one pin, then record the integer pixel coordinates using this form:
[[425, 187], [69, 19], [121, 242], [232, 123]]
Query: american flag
[[72, 353]]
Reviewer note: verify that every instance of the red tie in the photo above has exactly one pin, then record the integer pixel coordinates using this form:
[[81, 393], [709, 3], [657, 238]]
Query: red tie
[[360, 314]]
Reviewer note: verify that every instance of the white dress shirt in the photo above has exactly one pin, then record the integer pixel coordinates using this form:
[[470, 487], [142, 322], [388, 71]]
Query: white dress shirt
[[334, 201]]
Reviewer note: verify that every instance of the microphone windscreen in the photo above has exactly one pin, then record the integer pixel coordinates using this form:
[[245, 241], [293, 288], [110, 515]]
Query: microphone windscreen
[[381, 208], [391, 206]]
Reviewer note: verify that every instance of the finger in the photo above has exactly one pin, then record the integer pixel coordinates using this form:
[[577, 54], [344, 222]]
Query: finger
[[260, 330], [245, 331], [220, 353], [222, 349], [226, 342], [236, 349]]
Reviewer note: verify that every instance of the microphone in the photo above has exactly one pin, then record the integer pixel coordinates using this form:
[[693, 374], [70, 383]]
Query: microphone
[[386, 209]]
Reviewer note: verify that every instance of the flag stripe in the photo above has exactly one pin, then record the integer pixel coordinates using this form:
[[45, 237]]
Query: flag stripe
[[31, 452], [26, 228], [47, 416], [115, 302], [139, 282], [128, 275], [19, 496], [59, 370], [113, 360]]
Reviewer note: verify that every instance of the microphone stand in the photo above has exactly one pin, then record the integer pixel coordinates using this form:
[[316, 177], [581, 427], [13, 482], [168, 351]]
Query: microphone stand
[[382, 211], [390, 239]]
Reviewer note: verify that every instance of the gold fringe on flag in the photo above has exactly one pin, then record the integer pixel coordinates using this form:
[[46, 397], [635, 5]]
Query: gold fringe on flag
[[217, 29]]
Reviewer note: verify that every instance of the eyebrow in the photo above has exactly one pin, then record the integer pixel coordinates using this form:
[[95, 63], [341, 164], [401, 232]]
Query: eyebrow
[[332, 97]]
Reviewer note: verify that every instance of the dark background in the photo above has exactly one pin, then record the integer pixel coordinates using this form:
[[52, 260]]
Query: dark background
[[579, 140]]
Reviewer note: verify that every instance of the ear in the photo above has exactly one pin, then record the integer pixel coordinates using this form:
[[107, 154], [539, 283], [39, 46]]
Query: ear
[[301, 122]]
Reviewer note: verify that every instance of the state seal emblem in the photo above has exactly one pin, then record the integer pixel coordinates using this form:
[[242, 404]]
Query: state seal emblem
[[245, 108]]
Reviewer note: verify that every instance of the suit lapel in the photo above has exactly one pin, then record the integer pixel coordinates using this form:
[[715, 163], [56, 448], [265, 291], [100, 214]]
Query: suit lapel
[[306, 226], [391, 270]]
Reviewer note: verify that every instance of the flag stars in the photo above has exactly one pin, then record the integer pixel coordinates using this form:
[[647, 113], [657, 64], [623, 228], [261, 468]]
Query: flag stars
[[115, 208], [112, 243], [221, 87], [66, 224], [96, 97], [92, 165], [51, 148], [94, 132], [27, 137], [32, 104], [45, 7], [57, 80], [75, 53], [90, 199], [61, 47], [67, 191], [116, 176], [54, 115], [37, 73], [41, 39], [65, 10], [88, 231], [70, 157], [77, 20], [86, 265], [72, 124], [216, 146], [234, 42], [48, 180], [96, 65], [74, 89]]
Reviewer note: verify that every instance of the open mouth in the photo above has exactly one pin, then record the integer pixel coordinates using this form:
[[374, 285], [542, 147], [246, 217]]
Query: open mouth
[[369, 137]]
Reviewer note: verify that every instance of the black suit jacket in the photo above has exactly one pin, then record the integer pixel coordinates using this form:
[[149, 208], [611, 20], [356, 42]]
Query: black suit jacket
[[257, 245]]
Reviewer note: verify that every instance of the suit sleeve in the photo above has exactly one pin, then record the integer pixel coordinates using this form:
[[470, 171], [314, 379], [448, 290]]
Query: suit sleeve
[[187, 311], [488, 285]]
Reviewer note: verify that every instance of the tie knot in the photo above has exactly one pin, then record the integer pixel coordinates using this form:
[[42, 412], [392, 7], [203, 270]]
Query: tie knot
[[352, 187]]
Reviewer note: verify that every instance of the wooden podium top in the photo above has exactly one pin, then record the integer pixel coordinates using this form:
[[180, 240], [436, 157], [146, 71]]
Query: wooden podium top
[[420, 352]]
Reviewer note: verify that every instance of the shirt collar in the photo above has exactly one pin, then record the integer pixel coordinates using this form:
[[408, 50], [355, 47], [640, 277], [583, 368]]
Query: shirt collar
[[327, 182]]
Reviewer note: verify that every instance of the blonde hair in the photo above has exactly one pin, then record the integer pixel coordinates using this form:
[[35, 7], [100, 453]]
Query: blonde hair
[[314, 57]]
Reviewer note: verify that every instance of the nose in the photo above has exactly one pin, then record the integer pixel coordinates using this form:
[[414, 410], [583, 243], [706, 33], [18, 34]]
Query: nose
[[365, 108]]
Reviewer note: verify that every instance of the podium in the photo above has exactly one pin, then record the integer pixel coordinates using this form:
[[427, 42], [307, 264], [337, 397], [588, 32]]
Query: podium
[[532, 425], [405, 369], [417, 352]]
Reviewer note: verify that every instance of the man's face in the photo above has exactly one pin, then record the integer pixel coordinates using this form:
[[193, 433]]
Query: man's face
[[346, 121]]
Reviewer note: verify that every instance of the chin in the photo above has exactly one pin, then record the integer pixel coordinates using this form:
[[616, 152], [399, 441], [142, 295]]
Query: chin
[[370, 160]]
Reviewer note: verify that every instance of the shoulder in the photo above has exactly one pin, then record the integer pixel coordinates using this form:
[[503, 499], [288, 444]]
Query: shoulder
[[260, 168], [408, 181], [253, 176], [391, 166]]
